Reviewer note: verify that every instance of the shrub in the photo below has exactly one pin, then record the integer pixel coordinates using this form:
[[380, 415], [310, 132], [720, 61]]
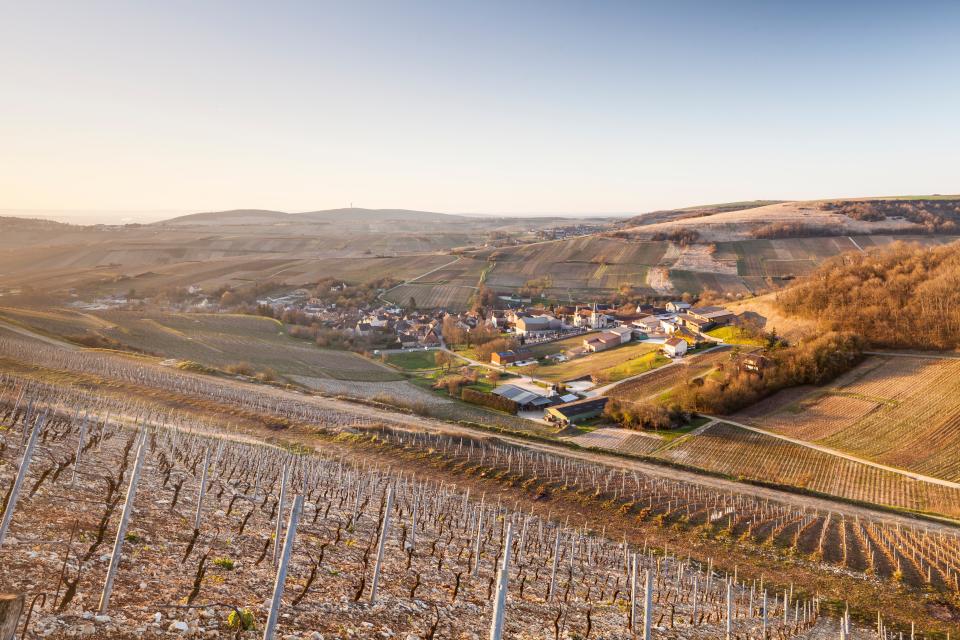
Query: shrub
[[241, 620], [240, 369], [491, 400]]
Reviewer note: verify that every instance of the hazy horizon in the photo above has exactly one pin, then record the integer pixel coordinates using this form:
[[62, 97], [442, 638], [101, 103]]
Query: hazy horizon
[[514, 109]]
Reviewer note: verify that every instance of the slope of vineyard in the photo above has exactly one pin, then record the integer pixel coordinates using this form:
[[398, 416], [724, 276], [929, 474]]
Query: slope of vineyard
[[899, 411], [203, 524], [344, 493], [731, 450]]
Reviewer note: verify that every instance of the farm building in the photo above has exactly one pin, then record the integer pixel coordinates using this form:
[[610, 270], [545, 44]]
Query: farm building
[[677, 307], [533, 326], [691, 337], [602, 342], [625, 333], [526, 400], [712, 316], [647, 325], [576, 411], [694, 323], [754, 363], [675, 347], [508, 357]]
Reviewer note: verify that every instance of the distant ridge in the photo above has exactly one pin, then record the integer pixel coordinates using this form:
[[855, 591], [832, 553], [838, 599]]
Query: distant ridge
[[265, 216]]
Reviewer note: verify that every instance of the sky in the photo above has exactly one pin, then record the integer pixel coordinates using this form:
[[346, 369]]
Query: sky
[[134, 110]]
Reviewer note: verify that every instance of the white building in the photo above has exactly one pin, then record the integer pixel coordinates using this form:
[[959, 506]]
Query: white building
[[675, 347]]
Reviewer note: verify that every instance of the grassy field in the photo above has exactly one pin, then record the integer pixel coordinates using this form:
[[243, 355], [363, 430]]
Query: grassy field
[[614, 364], [413, 360], [651, 386], [735, 335], [557, 346], [902, 412]]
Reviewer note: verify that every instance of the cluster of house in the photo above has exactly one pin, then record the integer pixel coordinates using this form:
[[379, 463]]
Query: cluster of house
[[303, 301], [537, 324], [411, 329], [569, 231], [394, 325], [677, 326]]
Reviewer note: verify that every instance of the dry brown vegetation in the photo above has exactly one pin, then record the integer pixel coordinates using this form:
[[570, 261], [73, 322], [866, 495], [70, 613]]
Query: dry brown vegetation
[[935, 215], [903, 296]]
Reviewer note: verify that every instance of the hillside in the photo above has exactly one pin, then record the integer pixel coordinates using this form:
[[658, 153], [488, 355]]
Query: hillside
[[340, 216], [854, 216], [666, 215], [902, 297]]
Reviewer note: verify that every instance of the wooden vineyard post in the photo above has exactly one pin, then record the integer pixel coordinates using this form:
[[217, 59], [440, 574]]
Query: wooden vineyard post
[[729, 628], [281, 500], [76, 461], [553, 572], [381, 546], [633, 593], [693, 614], [271, 626], [648, 606], [11, 606], [764, 632], [500, 600], [21, 475], [479, 542], [122, 529], [202, 491]]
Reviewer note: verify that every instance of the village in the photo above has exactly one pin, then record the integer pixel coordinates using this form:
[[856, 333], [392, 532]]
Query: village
[[545, 362], [551, 366]]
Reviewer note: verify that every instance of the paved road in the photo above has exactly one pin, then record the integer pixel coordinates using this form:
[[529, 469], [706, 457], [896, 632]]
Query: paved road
[[839, 454]]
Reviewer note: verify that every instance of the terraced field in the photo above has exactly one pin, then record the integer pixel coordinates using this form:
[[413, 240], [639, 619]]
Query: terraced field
[[727, 449], [584, 263], [451, 297], [881, 411]]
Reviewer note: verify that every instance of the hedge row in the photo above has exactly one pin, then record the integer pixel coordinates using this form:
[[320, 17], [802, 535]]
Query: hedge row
[[491, 400]]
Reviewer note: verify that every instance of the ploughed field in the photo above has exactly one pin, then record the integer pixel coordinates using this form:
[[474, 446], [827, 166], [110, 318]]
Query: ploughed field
[[215, 340], [899, 411]]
